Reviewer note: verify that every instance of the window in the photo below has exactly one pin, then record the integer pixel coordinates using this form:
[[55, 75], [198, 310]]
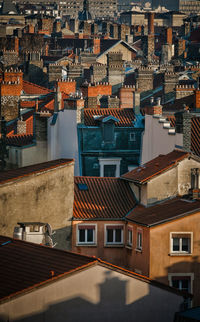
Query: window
[[108, 132], [132, 136], [184, 282], [110, 170], [114, 234], [181, 243], [139, 239], [86, 234], [130, 237], [109, 167]]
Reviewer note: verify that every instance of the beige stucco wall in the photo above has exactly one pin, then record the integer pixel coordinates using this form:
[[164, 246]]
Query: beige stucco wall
[[162, 186], [95, 294], [184, 174], [46, 197], [126, 54], [162, 263]]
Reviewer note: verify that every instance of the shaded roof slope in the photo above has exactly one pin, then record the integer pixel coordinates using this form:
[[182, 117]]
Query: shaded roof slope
[[25, 264], [125, 116], [195, 135], [102, 198], [14, 174], [155, 166], [163, 212]]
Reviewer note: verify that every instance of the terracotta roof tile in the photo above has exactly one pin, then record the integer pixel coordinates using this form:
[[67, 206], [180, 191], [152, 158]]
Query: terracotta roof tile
[[11, 175], [155, 166], [195, 135], [30, 88], [25, 265], [163, 212], [103, 198], [125, 116], [19, 140]]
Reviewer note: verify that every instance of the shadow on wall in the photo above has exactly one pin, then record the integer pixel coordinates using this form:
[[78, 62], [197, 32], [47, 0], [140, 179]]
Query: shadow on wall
[[184, 274], [112, 305]]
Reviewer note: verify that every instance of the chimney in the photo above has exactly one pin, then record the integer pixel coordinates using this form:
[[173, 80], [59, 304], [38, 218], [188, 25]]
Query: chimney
[[57, 100], [169, 35], [80, 102], [151, 23], [197, 99], [136, 102], [17, 44], [96, 46], [36, 105]]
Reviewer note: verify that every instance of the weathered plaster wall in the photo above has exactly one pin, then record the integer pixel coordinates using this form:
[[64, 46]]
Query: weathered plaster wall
[[162, 263], [95, 294], [45, 197]]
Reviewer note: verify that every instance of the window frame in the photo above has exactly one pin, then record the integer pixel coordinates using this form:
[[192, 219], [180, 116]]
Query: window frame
[[189, 276], [129, 242], [86, 243], [139, 242], [180, 251], [132, 137], [114, 243]]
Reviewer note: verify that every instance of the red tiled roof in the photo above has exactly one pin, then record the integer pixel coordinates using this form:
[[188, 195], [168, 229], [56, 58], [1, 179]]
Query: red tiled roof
[[25, 265], [11, 175], [104, 198], [155, 166], [125, 116], [19, 140], [30, 88], [195, 135], [163, 212], [172, 120], [27, 117]]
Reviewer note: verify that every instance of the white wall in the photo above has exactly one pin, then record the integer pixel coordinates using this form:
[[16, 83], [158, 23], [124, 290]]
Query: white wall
[[156, 140], [63, 139]]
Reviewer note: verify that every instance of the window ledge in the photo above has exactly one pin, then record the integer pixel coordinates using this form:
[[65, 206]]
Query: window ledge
[[114, 245], [180, 254], [138, 250], [129, 247], [87, 245]]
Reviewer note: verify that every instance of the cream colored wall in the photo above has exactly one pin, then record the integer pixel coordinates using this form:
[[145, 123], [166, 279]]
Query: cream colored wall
[[95, 294], [162, 263], [34, 154], [162, 186], [118, 48], [45, 197]]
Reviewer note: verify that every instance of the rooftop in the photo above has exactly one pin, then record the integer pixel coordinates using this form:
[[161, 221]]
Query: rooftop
[[156, 166], [124, 115], [15, 174], [163, 212], [106, 198]]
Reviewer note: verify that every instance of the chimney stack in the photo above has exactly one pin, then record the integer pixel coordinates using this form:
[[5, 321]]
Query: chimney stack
[[151, 23]]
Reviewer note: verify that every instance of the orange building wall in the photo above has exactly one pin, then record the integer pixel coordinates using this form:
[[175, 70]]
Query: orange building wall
[[161, 263], [113, 254], [10, 89], [138, 261], [197, 98], [67, 86], [99, 89]]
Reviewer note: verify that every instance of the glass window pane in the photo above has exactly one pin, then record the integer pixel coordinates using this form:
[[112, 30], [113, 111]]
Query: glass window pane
[[110, 235], [176, 242], [109, 170], [139, 240], [89, 235], [175, 283], [118, 235], [82, 235], [185, 244], [130, 238]]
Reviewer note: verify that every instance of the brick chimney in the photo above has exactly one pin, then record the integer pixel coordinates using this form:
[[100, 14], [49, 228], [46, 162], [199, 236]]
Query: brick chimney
[[17, 44], [151, 23], [197, 99], [96, 46], [169, 35]]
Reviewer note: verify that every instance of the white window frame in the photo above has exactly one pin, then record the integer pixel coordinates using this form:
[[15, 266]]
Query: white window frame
[[110, 161], [106, 243], [139, 242], [85, 243], [190, 275], [180, 252], [129, 242]]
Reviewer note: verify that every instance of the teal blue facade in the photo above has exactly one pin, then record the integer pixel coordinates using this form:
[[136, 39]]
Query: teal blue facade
[[119, 142]]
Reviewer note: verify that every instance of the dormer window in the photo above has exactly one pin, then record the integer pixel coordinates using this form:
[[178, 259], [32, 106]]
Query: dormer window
[[108, 132]]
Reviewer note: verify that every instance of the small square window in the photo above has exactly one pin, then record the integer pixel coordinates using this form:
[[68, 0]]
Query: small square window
[[114, 234], [181, 243], [132, 137], [86, 234]]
